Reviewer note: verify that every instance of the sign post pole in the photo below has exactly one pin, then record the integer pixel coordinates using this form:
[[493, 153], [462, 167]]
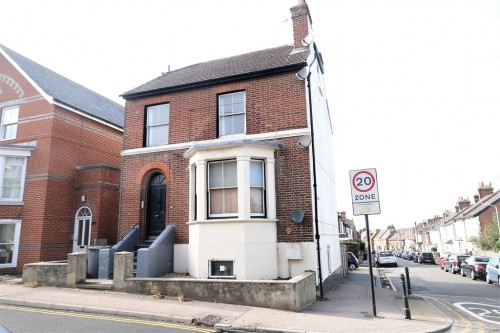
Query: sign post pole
[[365, 201], [371, 265]]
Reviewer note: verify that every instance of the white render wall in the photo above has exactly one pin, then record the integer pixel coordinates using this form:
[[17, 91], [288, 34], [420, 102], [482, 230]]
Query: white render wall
[[251, 244], [325, 173]]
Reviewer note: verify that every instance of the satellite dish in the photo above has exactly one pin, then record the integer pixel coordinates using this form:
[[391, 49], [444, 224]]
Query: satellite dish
[[303, 73], [304, 141], [307, 40], [297, 216]]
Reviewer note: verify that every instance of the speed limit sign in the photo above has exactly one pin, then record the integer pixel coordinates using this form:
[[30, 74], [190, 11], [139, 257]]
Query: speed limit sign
[[364, 191]]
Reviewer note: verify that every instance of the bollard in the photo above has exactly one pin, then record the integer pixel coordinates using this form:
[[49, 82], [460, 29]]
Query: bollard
[[405, 297], [408, 280]]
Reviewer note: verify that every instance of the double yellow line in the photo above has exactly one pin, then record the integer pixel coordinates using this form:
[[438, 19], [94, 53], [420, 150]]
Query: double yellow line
[[108, 318]]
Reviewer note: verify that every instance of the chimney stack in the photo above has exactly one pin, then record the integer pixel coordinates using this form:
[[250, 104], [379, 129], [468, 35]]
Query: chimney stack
[[484, 190], [462, 204], [301, 23]]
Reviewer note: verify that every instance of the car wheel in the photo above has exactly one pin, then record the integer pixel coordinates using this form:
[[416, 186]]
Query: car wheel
[[473, 275], [453, 270], [488, 279], [462, 272], [352, 267], [446, 268]]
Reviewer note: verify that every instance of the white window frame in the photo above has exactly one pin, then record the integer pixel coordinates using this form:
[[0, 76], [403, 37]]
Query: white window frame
[[262, 187], [17, 234], [2, 178], [152, 125], [223, 187], [4, 124], [223, 114]]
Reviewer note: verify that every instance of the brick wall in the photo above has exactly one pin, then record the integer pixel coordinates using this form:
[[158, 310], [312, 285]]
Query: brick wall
[[64, 140], [270, 107]]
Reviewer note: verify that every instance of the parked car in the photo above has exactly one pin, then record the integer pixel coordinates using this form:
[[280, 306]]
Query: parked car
[[410, 255], [426, 257], [474, 266], [492, 270], [443, 260], [352, 261], [454, 262], [387, 258]]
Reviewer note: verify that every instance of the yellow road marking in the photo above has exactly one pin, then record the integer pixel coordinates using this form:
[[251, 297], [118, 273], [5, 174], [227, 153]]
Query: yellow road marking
[[109, 318], [468, 326]]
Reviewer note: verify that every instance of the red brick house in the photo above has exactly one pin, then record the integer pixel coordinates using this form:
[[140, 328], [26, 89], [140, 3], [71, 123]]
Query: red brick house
[[60, 149], [230, 152]]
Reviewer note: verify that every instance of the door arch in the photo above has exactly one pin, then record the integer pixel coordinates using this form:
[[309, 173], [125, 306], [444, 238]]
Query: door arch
[[156, 205], [83, 225]]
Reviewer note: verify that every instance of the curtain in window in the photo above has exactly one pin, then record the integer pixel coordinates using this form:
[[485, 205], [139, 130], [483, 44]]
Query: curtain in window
[[257, 188], [222, 183]]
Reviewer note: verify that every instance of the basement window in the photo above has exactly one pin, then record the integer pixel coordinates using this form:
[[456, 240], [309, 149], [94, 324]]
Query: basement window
[[221, 269]]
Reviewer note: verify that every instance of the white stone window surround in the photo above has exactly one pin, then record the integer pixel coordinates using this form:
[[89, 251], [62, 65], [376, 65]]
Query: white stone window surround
[[243, 151], [17, 234], [17, 151]]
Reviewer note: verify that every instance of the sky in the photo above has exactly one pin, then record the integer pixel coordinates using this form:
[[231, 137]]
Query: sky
[[413, 86]]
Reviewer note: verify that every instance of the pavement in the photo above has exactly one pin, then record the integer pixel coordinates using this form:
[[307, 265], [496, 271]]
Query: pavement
[[348, 307]]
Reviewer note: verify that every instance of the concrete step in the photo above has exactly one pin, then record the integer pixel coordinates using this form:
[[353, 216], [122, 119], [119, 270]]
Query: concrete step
[[96, 284]]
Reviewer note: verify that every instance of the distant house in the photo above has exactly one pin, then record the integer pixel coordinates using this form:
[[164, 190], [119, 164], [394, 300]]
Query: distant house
[[235, 153], [60, 149], [347, 230], [455, 232]]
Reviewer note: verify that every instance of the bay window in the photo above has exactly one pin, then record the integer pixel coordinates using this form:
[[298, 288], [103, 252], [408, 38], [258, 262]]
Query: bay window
[[232, 180]]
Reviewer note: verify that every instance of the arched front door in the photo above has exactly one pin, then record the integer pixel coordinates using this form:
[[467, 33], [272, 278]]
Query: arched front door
[[155, 215], [81, 234]]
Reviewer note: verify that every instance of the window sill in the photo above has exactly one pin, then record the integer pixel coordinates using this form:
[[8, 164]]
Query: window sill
[[233, 220], [11, 203]]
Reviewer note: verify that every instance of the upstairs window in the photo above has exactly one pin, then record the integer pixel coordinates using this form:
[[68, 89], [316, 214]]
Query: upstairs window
[[232, 113], [157, 124], [8, 124], [223, 189]]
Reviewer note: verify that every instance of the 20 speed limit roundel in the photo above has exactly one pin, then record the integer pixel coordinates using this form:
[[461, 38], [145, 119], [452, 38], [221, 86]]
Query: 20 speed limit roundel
[[363, 181]]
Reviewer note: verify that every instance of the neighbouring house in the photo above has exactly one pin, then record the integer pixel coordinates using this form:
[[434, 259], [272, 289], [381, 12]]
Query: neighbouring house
[[396, 241], [60, 147], [347, 230], [381, 240], [236, 155]]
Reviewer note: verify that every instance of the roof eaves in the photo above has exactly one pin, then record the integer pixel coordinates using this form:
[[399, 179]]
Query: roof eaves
[[227, 79]]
